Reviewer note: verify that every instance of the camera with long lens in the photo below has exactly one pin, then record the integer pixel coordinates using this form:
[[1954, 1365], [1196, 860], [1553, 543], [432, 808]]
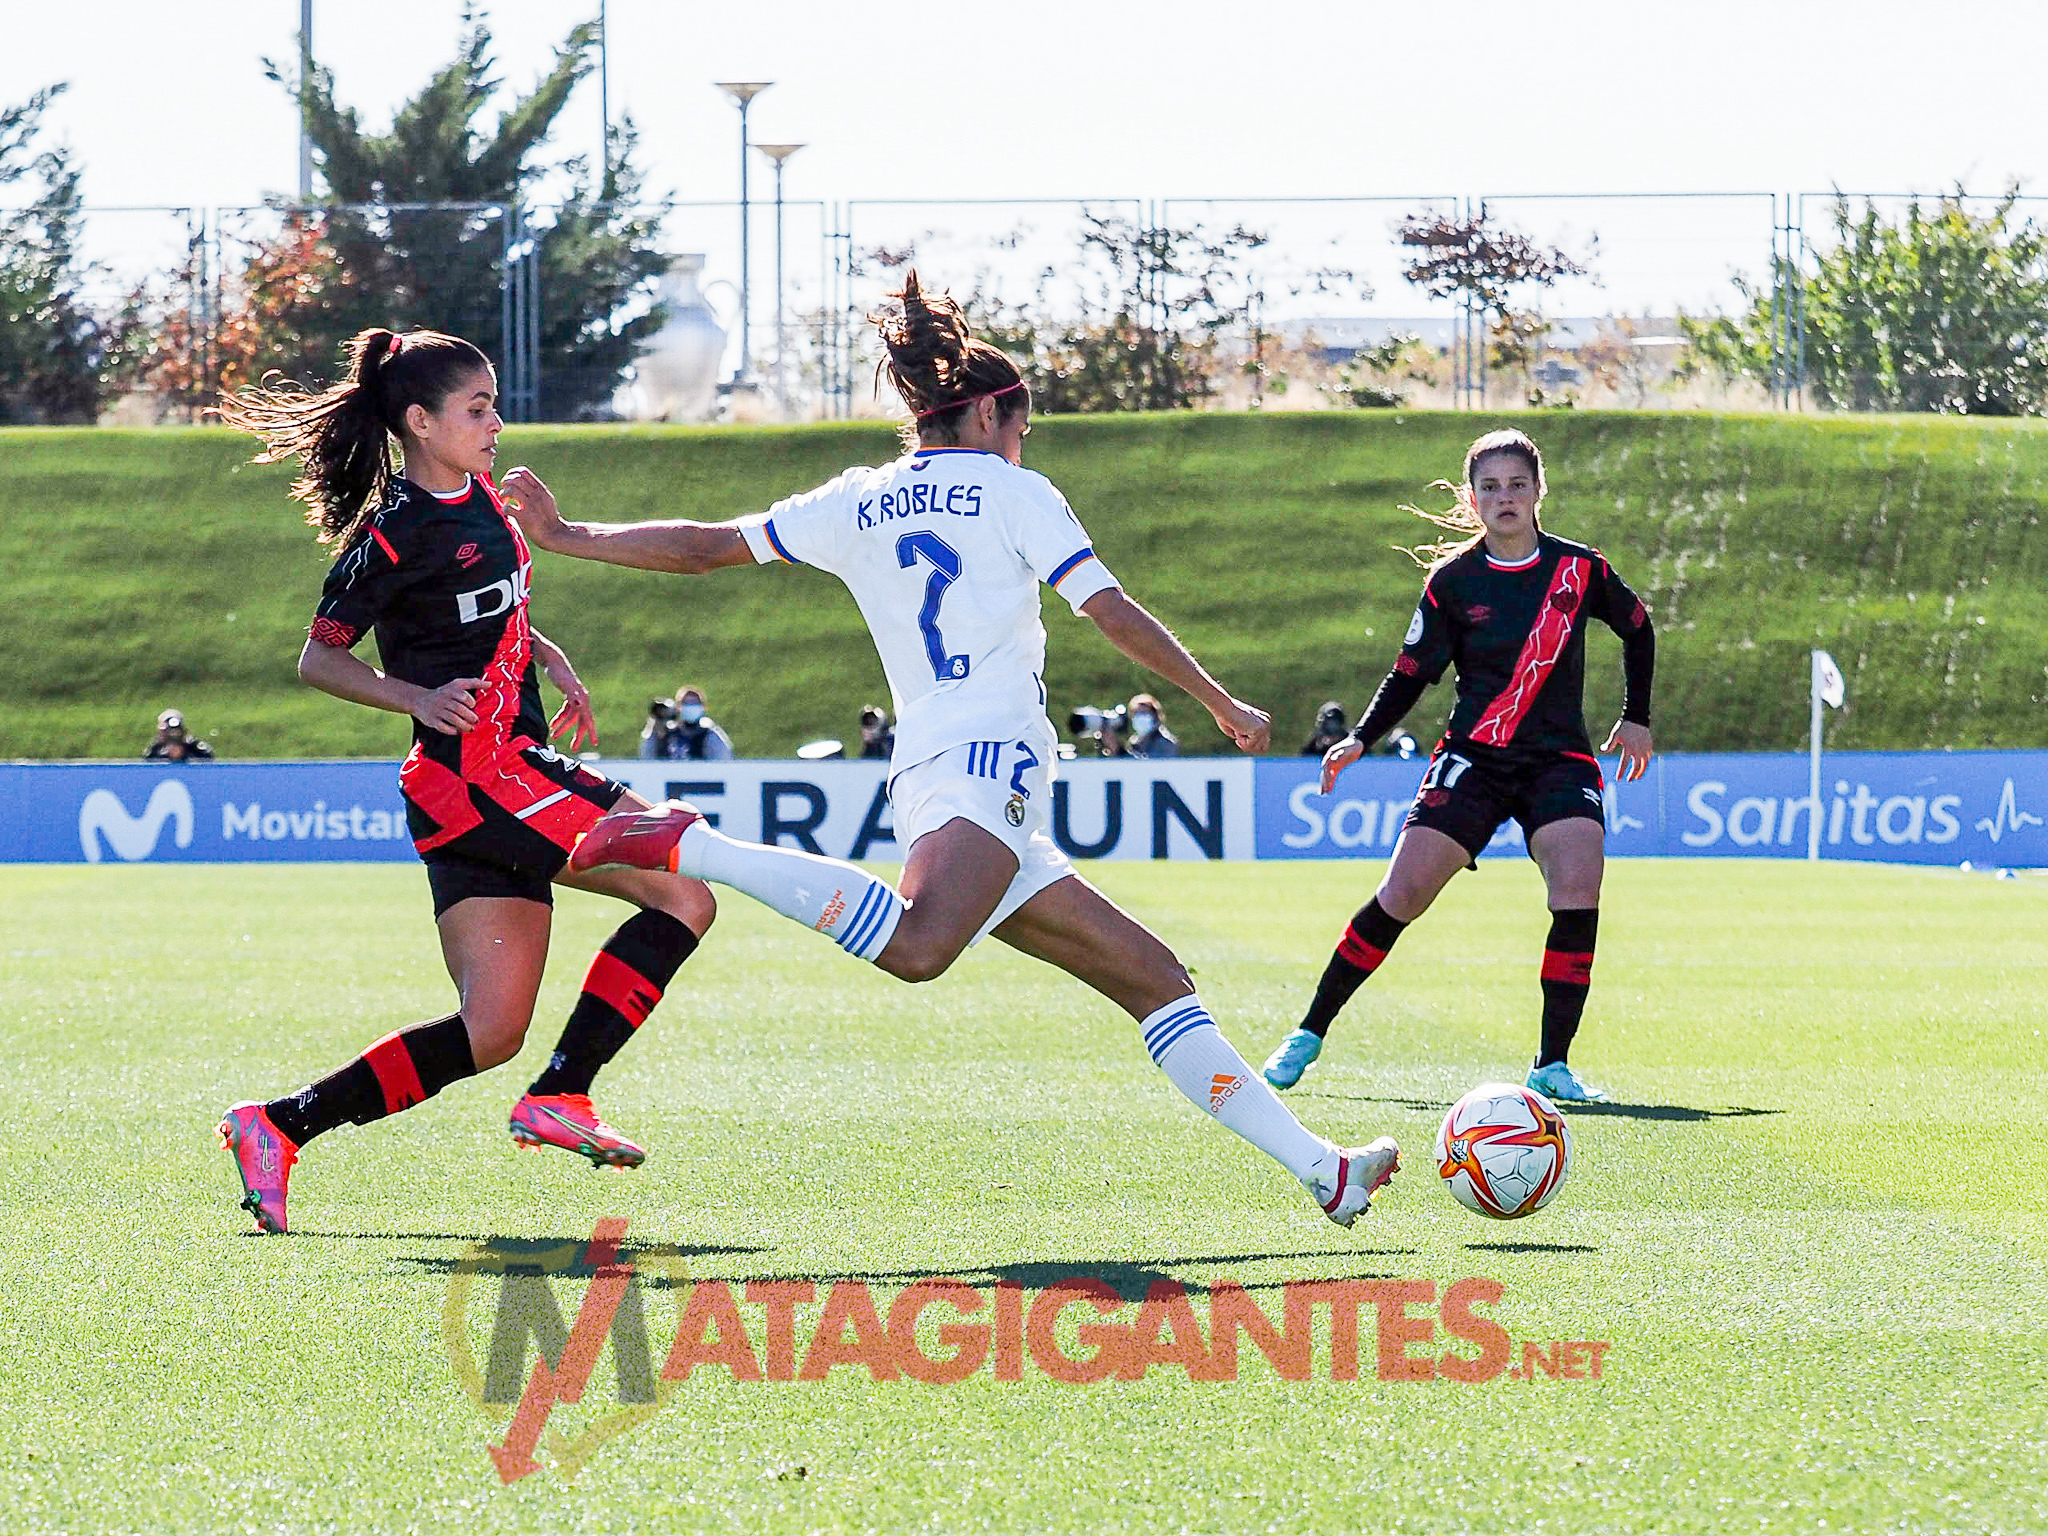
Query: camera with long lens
[[1089, 723], [663, 713]]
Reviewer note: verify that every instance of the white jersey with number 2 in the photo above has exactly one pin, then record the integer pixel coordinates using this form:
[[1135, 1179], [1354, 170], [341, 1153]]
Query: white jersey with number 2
[[944, 551]]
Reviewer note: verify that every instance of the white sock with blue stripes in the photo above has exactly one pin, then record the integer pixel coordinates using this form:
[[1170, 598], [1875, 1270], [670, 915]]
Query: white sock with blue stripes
[[848, 905], [1192, 1052]]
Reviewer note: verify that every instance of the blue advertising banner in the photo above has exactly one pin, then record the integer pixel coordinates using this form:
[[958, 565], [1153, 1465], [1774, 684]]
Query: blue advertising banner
[[209, 813], [1981, 808], [1197, 808]]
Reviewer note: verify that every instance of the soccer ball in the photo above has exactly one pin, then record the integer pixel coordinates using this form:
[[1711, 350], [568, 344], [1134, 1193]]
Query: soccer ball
[[1504, 1151]]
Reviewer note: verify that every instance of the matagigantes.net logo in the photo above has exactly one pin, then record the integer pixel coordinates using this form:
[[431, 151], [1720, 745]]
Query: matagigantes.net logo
[[1073, 1330]]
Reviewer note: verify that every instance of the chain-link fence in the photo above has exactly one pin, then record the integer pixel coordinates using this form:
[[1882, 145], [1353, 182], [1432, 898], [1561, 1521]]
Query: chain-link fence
[[765, 318]]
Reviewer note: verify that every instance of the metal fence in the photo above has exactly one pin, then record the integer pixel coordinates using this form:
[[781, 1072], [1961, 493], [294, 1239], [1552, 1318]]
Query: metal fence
[[1326, 279]]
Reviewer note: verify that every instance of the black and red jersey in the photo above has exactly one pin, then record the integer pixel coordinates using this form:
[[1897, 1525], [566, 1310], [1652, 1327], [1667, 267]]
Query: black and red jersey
[[1516, 632], [443, 580]]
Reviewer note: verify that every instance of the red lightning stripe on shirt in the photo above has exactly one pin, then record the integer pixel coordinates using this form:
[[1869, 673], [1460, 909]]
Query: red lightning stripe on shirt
[[1548, 637]]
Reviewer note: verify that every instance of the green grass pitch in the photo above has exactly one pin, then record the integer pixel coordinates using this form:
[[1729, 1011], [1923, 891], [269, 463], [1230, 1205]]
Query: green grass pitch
[[1812, 1234]]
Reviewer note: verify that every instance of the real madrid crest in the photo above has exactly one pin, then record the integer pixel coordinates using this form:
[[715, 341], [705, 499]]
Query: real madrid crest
[[1014, 811]]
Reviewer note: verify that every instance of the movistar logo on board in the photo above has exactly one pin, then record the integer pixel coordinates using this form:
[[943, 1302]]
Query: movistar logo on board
[[102, 818]]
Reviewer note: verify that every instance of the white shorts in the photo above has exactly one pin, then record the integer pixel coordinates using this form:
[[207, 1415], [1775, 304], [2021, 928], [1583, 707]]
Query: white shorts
[[1003, 787]]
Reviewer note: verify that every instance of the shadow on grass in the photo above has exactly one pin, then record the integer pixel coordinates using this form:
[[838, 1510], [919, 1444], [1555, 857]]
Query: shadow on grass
[[1129, 1278], [1679, 1112], [1665, 1111], [563, 1259], [1533, 1247]]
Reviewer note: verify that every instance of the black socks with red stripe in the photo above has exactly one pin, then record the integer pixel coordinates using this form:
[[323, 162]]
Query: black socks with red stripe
[[1366, 940], [406, 1067], [626, 980], [1567, 975]]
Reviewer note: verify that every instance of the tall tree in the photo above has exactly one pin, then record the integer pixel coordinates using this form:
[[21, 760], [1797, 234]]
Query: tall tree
[[1941, 310], [1485, 264], [416, 220], [1134, 323], [50, 341]]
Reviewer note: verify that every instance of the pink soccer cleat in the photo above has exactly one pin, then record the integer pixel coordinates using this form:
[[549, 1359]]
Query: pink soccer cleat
[[643, 839], [570, 1121], [264, 1156]]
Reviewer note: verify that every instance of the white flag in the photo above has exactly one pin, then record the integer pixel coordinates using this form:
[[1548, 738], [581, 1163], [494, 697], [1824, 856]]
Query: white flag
[[1828, 681]]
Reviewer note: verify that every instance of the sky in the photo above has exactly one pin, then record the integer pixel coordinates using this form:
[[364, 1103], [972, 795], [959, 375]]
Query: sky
[[168, 104]]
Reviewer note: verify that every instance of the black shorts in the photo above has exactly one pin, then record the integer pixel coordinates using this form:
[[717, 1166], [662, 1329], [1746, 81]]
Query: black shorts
[[508, 835], [1470, 790]]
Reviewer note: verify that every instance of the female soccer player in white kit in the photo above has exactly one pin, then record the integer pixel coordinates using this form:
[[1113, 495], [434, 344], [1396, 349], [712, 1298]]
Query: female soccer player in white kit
[[944, 550]]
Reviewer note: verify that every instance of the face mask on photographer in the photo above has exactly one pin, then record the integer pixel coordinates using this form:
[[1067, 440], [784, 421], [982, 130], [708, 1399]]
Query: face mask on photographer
[[1142, 722], [692, 713]]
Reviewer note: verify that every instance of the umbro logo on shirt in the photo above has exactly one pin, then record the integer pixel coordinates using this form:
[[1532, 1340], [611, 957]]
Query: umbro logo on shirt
[[468, 555]]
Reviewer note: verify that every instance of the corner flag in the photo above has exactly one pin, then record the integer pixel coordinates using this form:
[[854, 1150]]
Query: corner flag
[[1828, 681], [1831, 688]]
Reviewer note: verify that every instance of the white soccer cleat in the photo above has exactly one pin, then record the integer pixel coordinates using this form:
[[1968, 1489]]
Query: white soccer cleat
[[1360, 1171], [1561, 1085]]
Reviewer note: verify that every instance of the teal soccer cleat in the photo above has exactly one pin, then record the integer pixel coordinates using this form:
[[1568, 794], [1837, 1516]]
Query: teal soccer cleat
[[1292, 1057], [1561, 1085]]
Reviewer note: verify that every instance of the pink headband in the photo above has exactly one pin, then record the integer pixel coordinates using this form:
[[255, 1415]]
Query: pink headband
[[954, 405], [392, 350]]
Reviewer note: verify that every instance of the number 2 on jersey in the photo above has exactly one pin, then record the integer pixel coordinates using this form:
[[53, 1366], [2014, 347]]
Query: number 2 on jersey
[[945, 564]]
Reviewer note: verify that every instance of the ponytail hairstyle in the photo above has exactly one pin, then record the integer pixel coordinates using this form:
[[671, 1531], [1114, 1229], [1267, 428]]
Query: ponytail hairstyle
[[1461, 518], [343, 436], [939, 369]]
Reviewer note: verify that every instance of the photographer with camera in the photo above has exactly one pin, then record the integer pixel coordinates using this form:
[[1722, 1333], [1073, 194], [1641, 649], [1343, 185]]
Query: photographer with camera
[[1331, 728], [173, 743], [680, 729], [877, 735], [1149, 735]]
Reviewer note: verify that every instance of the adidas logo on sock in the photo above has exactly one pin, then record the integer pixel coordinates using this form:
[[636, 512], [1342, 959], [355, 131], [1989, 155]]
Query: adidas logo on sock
[[1221, 1087]]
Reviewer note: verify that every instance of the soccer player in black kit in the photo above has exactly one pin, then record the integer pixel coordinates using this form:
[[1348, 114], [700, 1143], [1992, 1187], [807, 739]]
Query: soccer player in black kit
[[1507, 606], [430, 561]]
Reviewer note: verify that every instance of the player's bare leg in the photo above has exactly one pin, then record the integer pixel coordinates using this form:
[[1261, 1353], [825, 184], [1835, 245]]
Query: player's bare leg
[[495, 948], [625, 980], [1423, 863], [951, 884], [1573, 857], [1074, 926]]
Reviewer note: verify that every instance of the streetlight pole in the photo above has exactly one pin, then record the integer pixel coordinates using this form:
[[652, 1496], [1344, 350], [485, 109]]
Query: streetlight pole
[[604, 95], [305, 84], [743, 92], [779, 153]]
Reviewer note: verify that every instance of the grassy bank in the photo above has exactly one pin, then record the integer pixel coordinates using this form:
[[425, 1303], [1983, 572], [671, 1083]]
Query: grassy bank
[[146, 569]]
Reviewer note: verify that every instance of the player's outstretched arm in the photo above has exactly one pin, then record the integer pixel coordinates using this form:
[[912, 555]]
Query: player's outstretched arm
[[683, 546], [1133, 631]]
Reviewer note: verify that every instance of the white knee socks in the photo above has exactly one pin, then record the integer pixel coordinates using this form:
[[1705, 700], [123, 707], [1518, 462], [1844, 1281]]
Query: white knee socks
[[1192, 1052], [855, 910]]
